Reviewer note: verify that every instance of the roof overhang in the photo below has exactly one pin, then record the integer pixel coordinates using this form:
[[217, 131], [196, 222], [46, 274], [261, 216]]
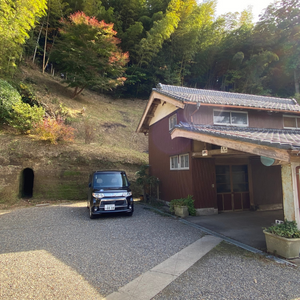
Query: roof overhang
[[283, 155], [153, 102]]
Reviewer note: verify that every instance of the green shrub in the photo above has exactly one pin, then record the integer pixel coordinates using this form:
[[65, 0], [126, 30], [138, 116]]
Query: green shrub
[[27, 94], [188, 201], [24, 117], [287, 229], [8, 97]]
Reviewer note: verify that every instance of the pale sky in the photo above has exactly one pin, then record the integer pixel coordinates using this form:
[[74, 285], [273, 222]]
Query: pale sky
[[225, 6]]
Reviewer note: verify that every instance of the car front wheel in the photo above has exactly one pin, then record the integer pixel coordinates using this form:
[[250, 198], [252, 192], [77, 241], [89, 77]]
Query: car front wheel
[[92, 216], [130, 213]]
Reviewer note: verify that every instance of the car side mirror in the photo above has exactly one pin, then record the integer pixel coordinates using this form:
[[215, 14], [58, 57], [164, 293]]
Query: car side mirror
[[90, 185], [129, 183]]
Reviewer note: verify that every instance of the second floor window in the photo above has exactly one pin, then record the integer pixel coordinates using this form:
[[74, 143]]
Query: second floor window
[[172, 121], [234, 118], [291, 122]]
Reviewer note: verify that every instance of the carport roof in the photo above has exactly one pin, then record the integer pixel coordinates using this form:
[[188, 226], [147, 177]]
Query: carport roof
[[280, 138], [210, 97]]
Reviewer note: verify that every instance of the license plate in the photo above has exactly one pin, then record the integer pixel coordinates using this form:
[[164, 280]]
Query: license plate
[[109, 207]]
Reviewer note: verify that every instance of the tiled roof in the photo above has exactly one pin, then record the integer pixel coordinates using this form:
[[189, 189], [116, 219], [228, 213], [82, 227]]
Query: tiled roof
[[226, 98], [279, 138]]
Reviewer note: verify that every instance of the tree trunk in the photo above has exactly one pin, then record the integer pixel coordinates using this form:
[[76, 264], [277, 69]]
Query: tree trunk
[[46, 36], [49, 55], [76, 92], [37, 42]]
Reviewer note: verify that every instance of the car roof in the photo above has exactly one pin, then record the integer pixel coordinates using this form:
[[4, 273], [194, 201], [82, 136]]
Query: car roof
[[109, 171]]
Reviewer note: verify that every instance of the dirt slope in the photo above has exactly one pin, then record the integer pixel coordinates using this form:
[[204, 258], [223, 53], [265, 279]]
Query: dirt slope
[[105, 134]]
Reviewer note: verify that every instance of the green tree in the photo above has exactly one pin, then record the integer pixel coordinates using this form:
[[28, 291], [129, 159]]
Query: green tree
[[251, 77], [161, 31], [9, 96], [17, 17], [185, 41], [87, 52], [279, 31], [215, 65]]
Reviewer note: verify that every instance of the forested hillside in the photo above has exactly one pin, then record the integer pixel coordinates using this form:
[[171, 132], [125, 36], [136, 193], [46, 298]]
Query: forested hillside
[[123, 48], [179, 42]]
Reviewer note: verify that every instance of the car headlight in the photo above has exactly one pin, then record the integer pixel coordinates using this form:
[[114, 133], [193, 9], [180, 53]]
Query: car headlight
[[127, 194], [98, 195]]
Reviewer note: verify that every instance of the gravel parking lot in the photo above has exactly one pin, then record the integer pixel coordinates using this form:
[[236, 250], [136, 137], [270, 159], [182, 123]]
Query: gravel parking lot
[[57, 252], [44, 251], [228, 272]]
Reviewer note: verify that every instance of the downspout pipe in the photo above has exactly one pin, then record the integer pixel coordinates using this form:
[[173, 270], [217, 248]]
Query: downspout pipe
[[192, 115]]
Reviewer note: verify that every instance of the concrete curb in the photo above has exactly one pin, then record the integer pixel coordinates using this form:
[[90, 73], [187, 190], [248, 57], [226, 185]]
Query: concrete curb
[[149, 284]]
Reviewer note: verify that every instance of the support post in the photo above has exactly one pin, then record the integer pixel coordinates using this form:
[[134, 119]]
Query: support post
[[290, 192]]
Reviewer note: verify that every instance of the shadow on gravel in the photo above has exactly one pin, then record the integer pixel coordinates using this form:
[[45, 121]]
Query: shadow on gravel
[[108, 252]]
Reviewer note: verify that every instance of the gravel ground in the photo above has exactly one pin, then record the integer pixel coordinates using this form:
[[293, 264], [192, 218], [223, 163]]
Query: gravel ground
[[57, 252], [229, 272]]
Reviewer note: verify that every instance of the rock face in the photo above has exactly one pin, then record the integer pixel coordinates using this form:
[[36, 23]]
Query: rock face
[[51, 172], [53, 181]]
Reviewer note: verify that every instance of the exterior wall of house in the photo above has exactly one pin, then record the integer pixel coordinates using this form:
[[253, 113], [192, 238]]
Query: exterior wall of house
[[204, 115], [264, 119], [198, 181], [257, 119], [174, 184], [267, 187]]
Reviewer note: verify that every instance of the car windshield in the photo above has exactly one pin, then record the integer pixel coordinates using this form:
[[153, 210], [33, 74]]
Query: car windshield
[[110, 180]]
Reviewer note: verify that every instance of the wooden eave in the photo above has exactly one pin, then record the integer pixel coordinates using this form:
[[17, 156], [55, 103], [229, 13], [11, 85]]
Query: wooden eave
[[218, 153], [282, 155], [243, 107], [153, 102]]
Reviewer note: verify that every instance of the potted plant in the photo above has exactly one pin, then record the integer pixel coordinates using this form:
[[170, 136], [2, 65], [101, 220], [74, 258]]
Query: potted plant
[[183, 207], [283, 239]]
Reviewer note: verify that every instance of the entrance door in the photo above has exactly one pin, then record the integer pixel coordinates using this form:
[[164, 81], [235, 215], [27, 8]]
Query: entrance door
[[232, 187]]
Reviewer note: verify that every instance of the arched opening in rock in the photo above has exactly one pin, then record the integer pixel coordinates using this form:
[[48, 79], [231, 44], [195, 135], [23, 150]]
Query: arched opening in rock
[[27, 184]]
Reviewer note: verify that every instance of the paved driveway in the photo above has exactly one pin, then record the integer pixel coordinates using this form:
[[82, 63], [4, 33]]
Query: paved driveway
[[244, 226], [46, 250]]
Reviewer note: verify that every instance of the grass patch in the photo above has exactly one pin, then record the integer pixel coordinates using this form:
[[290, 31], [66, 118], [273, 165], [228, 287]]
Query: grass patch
[[71, 173]]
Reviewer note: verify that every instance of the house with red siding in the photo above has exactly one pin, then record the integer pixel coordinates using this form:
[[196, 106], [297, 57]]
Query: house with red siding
[[231, 151]]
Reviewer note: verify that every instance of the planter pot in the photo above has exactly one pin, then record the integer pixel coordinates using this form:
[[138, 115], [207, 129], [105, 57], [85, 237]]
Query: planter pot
[[181, 211], [288, 248]]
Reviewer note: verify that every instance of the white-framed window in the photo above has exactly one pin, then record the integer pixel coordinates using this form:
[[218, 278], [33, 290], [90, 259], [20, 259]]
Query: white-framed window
[[179, 162], [172, 121], [228, 117], [291, 122]]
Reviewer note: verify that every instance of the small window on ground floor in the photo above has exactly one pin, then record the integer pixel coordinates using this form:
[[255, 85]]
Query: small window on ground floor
[[179, 162]]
